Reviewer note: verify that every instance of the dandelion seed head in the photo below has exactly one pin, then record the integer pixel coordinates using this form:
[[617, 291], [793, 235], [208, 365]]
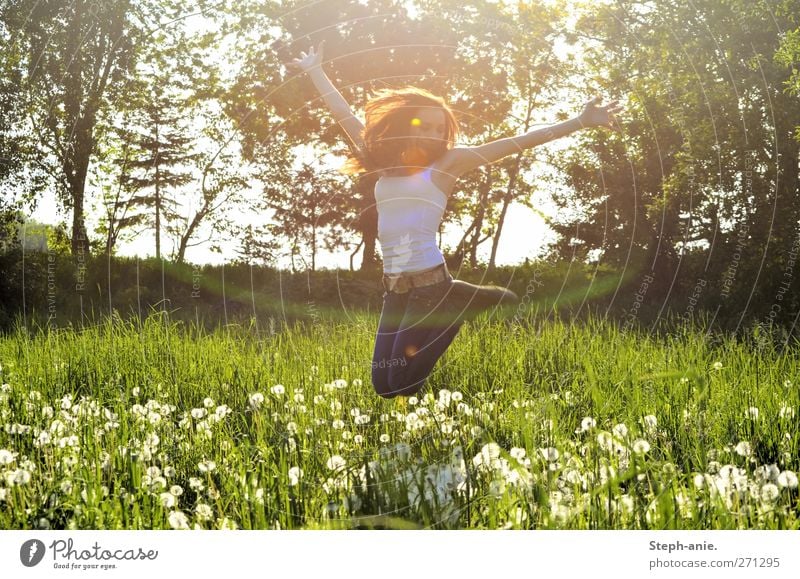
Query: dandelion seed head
[[178, 520], [203, 512], [769, 493], [167, 500], [787, 479], [336, 462]]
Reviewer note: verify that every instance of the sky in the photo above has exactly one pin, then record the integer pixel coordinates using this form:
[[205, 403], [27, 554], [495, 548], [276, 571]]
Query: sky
[[525, 233]]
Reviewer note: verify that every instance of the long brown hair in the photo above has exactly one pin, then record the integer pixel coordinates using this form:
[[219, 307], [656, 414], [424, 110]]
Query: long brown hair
[[388, 117]]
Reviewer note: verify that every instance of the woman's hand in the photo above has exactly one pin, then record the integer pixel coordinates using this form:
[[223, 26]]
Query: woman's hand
[[309, 61], [597, 116]]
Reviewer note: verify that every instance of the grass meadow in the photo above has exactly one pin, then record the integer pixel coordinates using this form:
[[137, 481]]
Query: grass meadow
[[526, 423]]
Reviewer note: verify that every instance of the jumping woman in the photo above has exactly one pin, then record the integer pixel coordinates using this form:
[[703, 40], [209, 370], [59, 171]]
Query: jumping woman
[[409, 141]]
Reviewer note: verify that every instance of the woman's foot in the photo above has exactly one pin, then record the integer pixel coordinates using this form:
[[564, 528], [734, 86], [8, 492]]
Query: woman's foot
[[473, 299]]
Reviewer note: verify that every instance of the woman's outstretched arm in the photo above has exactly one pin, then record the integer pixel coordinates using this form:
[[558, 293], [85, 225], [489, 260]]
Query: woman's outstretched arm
[[312, 64], [463, 159]]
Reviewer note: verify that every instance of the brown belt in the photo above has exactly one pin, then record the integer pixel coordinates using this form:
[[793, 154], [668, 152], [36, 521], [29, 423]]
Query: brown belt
[[402, 282]]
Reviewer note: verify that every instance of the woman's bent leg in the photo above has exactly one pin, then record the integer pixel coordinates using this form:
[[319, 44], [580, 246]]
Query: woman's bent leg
[[392, 314], [424, 334]]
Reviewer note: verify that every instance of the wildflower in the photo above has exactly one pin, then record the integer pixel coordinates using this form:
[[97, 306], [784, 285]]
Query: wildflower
[[496, 488], [198, 413], [18, 477], [295, 474], [626, 504], [787, 479], [178, 520], [226, 524], [340, 383], [203, 512], [43, 439], [490, 451], [457, 396], [384, 438], [278, 389], [743, 448], [518, 453], [752, 413], [717, 365], [357, 382], [176, 490], [620, 430], [7, 457], [641, 446], [769, 492], [167, 500], [207, 466], [550, 454], [786, 412], [767, 473], [255, 400], [336, 462], [604, 440], [337, 424], [587, 423]]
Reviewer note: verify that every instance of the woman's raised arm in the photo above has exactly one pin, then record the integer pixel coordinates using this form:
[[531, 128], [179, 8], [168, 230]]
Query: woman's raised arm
[[463, 159], [312, 64]]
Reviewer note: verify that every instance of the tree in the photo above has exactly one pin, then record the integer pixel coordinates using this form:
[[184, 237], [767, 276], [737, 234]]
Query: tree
[[705, 166], [220, 185], [67, 56], [309, 211], [166, 150]]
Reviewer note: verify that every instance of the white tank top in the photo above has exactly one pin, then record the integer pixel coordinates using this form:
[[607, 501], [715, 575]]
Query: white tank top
[[410, 209]]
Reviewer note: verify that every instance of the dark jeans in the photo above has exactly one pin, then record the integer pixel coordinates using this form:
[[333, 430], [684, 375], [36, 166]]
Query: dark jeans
[[415, 329]]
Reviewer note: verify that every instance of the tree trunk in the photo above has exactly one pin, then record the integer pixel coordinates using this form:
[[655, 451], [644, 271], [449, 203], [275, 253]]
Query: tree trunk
[[352, 255], [483, 199], [368, 222], [158, 205], [512, 181]]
